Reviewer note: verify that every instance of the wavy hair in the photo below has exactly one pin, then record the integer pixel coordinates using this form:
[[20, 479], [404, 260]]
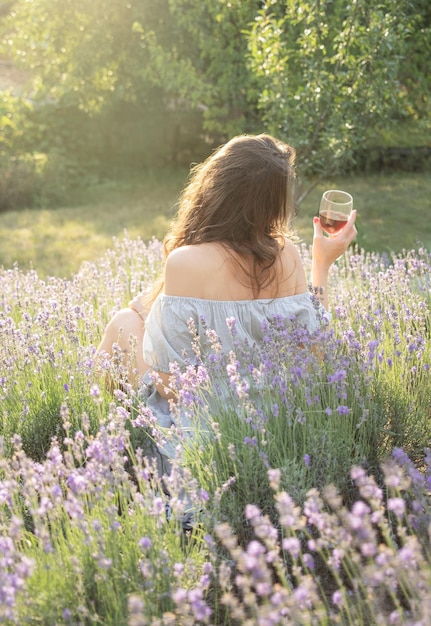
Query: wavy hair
[[242, 196]]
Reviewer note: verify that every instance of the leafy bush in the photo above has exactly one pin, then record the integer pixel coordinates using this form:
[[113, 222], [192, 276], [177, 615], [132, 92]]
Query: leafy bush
[[34, 181], [19, 183], [32, 173]]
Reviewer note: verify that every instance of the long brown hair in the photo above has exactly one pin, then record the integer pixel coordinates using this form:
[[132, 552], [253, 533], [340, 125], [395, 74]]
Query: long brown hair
[[242, 196]]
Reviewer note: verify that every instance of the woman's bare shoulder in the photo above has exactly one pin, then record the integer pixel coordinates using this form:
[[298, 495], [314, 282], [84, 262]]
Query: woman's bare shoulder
[[187, 267], [192, 253], [290, 251], [294, 278]]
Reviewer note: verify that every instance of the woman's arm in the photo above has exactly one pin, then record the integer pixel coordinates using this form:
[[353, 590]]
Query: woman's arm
[[326, 250]]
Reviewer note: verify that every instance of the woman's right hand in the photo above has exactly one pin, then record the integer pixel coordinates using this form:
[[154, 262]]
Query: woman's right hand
[[326, 250]]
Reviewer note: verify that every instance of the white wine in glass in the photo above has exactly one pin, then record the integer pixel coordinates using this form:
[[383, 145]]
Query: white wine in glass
[[334, 211]]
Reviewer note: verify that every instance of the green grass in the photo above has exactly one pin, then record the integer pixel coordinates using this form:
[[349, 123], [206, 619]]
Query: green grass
[[393, 214], [56, 241], [393, 209]]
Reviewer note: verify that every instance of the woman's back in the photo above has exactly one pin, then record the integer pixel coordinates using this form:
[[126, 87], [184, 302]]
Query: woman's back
[[211, 271]]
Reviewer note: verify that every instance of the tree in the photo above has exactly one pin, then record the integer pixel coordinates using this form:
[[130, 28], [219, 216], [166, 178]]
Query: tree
[[224, 86], [327, 71], [152, 74], [134, 78], [414, 70], [96, 77], [187, 54]]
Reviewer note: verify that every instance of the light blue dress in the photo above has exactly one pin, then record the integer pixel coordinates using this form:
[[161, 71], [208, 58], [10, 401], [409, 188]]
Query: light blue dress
[[168, 338]]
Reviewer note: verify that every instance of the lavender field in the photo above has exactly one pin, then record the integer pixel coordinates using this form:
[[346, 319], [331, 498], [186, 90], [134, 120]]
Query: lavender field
[[311, 488]]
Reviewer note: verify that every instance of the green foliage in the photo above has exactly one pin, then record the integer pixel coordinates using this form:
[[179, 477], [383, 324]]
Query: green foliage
[[33, 408], [87, 47], [99, 96], [327, 71], [110, 51], [154, 75], [18, 179], [14, 124], [34, 180], [38, 164], [118, 85], [222, 83], [18, 183], [414, 71]]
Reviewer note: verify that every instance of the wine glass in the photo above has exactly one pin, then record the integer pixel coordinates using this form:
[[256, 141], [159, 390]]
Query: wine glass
[[334, 211]]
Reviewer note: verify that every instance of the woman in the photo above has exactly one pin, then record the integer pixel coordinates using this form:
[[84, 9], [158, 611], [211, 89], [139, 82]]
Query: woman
[[228, 254]]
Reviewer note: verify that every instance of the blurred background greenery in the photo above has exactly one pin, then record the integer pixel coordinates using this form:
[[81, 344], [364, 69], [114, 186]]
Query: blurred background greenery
[[105, 104], [393, 214]]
